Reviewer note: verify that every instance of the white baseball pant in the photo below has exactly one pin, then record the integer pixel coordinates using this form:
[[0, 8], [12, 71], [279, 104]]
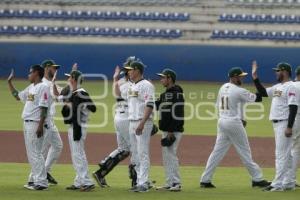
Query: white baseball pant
[[295, 152], [53, 146], [79, 159], [171, 161], [35, 157], [122, 131], [231, 132], [140, 149], [283, 154]]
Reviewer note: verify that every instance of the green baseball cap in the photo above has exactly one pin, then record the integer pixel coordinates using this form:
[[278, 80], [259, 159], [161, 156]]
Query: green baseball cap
[[283, 67], [236, 71], [297, 71], [127, 63], [75, 74], [129, 60], [168, 73], [136, 65], [49, 63]]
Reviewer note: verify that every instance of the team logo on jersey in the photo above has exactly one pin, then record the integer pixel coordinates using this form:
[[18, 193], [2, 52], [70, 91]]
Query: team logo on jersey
[[277, 93], [292, 94], [45, 96], [30, 97], [133, 93]]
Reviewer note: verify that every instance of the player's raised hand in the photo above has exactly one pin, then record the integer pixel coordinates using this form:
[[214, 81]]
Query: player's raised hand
[[75, 67], [117, 72], [11, 75], [254, 70]]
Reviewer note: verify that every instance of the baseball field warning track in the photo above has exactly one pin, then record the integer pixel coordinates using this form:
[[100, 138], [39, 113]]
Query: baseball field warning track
[[193, 150]]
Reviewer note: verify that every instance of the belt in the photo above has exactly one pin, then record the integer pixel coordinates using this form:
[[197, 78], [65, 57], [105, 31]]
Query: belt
[[120, 99], [276, 121], [30, 121], [135, 120], [45, 125]]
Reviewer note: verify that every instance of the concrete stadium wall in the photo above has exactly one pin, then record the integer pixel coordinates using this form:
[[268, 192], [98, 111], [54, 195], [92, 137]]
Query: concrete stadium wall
[[193, 63]]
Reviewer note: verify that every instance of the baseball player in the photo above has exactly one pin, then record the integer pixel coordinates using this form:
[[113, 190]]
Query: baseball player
[[36, 98], [121, 123], [231, 129], [75, 112], [283, 113], [53, 143], [171, 108], [296, 135], [140, 112]]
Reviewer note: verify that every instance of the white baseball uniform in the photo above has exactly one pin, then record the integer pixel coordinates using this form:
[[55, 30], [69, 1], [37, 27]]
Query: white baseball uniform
[[230, 103], [53, 138], [283, 95], [140, 95], [35, 97], [53, 145], [292, 174], [121, 120]]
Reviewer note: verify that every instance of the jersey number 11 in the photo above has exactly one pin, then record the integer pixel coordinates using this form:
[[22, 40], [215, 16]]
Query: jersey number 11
[[224, 103]]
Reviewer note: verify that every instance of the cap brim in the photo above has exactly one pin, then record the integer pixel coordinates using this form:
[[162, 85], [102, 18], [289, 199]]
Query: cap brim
[[128, 68], [243, 74], [68, 75], [56, 66], [275, 69], [160, 74]]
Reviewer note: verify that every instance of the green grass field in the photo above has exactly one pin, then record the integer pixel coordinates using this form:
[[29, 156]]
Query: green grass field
[[232, 183], [196, 94]]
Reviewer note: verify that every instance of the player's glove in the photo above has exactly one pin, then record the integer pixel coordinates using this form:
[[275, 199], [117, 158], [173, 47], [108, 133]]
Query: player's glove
[[66, 91], [244, 123], [154, 130], [168, 141]]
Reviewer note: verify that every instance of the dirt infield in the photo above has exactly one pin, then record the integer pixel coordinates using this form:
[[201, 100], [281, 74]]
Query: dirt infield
[[193, 151]]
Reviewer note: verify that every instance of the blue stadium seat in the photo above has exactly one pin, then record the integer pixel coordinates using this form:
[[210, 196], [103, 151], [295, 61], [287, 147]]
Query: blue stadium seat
[[89, 31]]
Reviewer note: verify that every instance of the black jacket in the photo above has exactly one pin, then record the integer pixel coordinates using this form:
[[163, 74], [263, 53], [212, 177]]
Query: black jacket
[[71, 114], [171, 109]]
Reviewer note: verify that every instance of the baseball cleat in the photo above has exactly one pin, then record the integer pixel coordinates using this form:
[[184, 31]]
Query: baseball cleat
[[72, 187], [272, 189], [29, 185], [51, 180], [175, 188], [261, 184], [87, 188], [38, 188], [150, 184], [100, 180], [207, 185], [268, 188], [141, 189], [277, 190], [163, 188], [133, 188], [297, 185], [289, 189]]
